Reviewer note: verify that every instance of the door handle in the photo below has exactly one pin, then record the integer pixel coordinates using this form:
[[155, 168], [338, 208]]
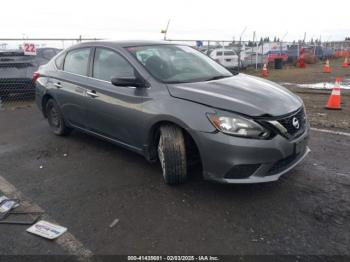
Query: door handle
[[58, 85], [92, 93]]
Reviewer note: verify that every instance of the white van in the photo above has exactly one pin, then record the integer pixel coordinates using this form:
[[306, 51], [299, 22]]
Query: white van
[[226, 57]]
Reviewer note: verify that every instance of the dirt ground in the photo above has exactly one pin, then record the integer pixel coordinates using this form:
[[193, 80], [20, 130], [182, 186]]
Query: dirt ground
[[310, 74], [315, 99]]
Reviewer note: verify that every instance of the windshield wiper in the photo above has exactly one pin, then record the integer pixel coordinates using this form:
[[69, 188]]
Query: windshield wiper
[[178, 82], [198, 80], [216, 78]]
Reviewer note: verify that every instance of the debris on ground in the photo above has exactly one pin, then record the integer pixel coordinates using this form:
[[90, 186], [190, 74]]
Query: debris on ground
[[115, 221], [7, 206], [47, 230]]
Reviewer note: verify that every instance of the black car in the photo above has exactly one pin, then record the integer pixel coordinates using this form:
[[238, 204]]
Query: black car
[[16, 70]]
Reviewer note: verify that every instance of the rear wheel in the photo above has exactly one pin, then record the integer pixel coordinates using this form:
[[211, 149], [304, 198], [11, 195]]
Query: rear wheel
[[55, 119], [172, 154]]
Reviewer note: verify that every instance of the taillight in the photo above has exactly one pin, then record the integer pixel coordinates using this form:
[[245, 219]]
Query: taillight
[[36, 75]]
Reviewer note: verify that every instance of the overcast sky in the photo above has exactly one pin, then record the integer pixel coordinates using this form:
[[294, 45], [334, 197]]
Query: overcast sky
[[144, 19]]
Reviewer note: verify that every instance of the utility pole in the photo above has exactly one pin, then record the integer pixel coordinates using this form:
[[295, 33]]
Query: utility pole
[[240, 47], [282, 41], [251, 57]]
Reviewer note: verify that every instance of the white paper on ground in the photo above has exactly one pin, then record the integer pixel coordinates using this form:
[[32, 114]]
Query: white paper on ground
[[6, 206], [46, 229]]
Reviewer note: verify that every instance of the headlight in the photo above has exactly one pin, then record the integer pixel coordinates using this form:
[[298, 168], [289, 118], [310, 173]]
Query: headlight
[[238, 126]]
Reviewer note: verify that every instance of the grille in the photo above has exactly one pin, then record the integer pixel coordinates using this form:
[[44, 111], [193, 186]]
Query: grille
[[15, 65], [16, 85], [286, 127], [288, 123], [241, 171]]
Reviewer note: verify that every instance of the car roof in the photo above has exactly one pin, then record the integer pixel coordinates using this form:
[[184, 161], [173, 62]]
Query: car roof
[[223, 49], [130, 43]]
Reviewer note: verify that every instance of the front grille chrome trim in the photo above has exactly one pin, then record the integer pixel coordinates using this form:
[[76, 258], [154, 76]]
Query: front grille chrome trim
[[282, 124], [280, 127]]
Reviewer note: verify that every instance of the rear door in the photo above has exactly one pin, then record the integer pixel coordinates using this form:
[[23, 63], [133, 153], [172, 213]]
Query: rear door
[[70, 84], [114, 111]]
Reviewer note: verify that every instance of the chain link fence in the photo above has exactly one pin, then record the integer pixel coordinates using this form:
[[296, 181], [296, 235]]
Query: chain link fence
[[17, 65], [250, 54], [19, 59]]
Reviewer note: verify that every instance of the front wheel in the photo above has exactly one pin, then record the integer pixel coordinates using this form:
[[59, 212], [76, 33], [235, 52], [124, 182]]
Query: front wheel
[[55, 119], [172, 154]]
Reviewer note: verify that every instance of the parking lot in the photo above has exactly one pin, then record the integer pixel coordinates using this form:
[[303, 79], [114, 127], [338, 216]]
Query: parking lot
[[85, 184]]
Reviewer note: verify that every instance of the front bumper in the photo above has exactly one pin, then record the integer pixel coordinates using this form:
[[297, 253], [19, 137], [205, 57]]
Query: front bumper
[[229, 159]]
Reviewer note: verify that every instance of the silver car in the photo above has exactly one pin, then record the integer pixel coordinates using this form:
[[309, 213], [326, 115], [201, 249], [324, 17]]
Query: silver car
[[175, 105]]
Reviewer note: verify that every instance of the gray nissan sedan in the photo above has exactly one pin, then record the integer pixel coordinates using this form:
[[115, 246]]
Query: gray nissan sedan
[[175, 105]]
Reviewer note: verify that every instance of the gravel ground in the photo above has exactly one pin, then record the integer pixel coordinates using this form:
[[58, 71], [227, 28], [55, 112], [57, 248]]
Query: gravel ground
[[311, 74]]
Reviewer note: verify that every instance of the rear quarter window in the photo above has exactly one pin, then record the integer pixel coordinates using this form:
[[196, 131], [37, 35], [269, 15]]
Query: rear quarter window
[[59, 61], [77, 61]]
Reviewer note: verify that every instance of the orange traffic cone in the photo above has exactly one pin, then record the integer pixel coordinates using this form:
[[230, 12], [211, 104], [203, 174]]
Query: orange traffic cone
[[338, 80], [345, 64], [265, 72], [334, 99], [326, 67]]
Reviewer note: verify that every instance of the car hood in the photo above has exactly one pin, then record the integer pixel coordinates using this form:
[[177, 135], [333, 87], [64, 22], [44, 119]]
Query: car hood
[[241, 93]]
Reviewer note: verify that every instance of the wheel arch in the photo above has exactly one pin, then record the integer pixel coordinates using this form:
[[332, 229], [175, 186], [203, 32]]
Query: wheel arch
[[44, 100], [154, 133]]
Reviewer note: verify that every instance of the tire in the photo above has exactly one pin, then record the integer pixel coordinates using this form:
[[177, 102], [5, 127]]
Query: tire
[[55, 119], [172, 155]]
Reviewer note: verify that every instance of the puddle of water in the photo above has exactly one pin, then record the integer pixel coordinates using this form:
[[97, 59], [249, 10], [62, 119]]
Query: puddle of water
[[323, 85]]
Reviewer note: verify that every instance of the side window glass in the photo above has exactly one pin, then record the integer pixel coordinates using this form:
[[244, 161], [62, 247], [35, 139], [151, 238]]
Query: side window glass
[[59, 61], [109, 64], [77, 61]]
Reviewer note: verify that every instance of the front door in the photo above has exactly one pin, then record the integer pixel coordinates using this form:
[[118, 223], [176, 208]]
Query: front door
[[114, 111]]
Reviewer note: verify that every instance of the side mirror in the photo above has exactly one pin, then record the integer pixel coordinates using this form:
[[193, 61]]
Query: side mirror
[[128, 81]]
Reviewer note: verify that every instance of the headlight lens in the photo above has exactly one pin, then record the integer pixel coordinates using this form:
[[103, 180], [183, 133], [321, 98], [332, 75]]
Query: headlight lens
[[238, 126]]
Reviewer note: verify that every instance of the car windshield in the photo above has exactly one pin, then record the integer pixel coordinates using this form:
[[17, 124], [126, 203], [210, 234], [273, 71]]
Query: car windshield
[[178, 64]]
